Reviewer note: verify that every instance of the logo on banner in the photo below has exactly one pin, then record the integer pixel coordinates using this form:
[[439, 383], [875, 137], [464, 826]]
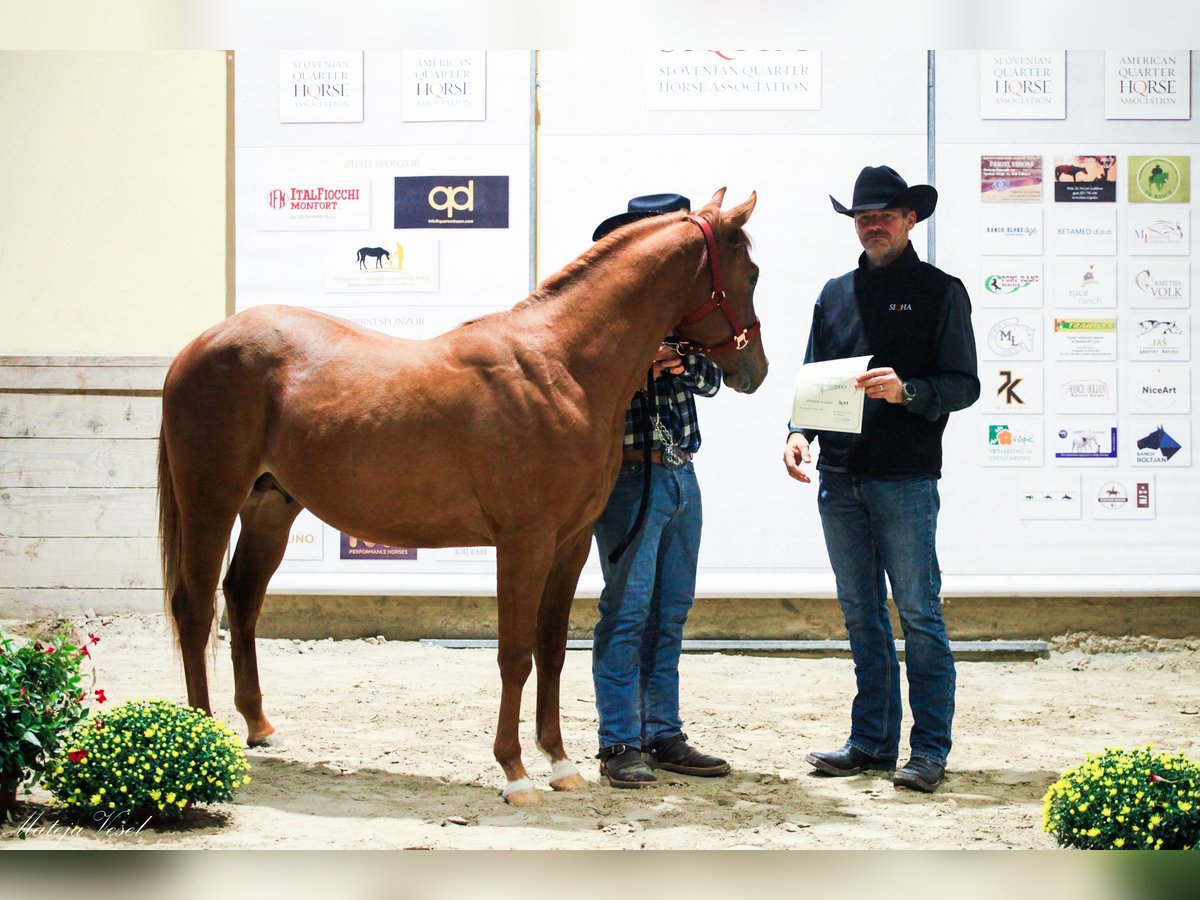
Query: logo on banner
[[1158, 179], [1160, 232], [1157, 447], [1112, 495], [1009, 336], [1009, 284], [450, 201], [356, 548], [1156, 288], [1008, 389]]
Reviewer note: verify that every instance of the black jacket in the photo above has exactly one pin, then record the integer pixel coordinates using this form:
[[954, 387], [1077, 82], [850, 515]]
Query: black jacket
[[916, 319]]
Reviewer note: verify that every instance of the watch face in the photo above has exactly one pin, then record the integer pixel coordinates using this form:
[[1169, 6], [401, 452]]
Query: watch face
[[909, 391]]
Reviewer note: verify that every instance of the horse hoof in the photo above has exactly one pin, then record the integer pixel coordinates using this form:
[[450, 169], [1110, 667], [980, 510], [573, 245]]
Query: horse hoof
[[266, 740], [526, 797], [574, 782]]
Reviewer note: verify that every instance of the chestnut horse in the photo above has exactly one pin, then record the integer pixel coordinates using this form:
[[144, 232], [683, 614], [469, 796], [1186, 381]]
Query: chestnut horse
[[508, 429]]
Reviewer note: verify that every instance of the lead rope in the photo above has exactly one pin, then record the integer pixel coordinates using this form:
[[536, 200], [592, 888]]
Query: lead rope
[[648, 399]]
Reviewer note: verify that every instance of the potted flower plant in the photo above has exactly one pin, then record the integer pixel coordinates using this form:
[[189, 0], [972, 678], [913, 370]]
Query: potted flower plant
[[1126, 800], [147, 759], [40, 702]]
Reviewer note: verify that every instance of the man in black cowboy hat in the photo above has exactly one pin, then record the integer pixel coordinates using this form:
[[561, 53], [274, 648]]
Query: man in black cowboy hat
[[878, 494], [650, 587]]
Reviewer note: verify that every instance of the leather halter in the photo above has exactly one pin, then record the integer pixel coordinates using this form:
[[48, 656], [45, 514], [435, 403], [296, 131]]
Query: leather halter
[[741, 336]]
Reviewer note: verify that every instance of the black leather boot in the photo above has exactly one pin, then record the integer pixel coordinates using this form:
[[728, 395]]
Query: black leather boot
[[624, 767]]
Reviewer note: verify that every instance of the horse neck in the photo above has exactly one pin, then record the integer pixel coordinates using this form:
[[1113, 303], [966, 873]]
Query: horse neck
[[610, 322]]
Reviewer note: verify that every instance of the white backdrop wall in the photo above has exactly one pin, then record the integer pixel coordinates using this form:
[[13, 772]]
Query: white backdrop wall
[[998, 546], [600, 141]]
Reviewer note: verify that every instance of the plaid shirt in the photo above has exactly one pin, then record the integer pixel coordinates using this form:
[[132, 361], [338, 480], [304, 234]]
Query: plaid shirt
[[674, 399]]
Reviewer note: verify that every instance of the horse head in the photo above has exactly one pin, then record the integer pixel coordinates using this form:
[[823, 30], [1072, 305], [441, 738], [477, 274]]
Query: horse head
[[726, 328]]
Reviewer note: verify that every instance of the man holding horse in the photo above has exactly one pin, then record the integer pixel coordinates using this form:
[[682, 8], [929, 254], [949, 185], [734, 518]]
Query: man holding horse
[[878, 495], [650, 584]]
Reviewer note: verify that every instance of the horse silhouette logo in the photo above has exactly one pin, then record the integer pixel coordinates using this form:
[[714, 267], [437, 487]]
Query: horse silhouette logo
[[377, 252], [1155, 326], [1161, 441]]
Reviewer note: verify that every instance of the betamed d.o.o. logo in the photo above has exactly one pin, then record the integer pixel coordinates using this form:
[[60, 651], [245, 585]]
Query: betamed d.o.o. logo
[[451, 201]]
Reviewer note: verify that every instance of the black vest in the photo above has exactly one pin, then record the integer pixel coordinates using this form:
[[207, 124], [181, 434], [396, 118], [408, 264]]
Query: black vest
[[891, 313]]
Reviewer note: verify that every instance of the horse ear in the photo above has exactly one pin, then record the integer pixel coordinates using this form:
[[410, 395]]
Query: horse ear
[[716, 200], [738, 216]]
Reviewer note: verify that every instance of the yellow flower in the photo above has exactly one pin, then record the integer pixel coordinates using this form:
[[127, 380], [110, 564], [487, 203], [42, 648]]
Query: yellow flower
[[1183, 807], [95, 800], [1119, 842], [154, 795], [170, 796], [1093, 832]]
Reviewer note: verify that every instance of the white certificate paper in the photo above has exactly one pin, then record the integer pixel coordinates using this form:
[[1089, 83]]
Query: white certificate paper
[[826, 398]]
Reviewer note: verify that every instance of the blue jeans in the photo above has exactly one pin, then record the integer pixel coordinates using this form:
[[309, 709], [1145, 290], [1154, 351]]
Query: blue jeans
[[872, 527], [647, 595]]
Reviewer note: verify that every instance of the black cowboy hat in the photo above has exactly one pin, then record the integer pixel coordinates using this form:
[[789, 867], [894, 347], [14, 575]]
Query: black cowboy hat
[[641, 208], [881, 187]]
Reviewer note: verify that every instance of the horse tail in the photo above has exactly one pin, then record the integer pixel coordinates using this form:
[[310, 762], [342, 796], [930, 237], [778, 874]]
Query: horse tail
[[170, 536]]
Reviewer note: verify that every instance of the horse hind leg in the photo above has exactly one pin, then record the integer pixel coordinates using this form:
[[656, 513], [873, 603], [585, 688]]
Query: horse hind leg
[[267, 517]]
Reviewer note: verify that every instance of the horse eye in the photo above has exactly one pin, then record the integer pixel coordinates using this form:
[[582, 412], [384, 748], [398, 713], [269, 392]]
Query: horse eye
[[754, 277]]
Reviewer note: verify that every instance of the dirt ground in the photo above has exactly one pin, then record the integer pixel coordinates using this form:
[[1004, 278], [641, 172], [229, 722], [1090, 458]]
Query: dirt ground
[[387, 745]]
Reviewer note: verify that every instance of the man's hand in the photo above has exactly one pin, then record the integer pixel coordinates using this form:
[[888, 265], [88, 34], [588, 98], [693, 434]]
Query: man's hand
[[669, 361], [794, 454], [881, 384]]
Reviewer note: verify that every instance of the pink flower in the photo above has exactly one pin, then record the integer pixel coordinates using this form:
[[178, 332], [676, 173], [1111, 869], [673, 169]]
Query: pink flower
[[100, 698], [92, 639]]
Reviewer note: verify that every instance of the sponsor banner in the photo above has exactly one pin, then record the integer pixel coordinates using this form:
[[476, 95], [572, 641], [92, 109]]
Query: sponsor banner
[[451, 201], [1011, 388], [1016, 443], [306, 538], [1080, 339], [1160, 442], [1147, 85], [1085, 283], [1085, 179], [1160, 389], [1159, 179], [1164, 283], [1120, 496], [1022, 84], [415, 322], [1085, 231], [1010, 232], [1163, 338], [1085, 389], [465, 554], [1011, 283], [1050, 496], [1009, 335], [381, 264], [443, 86], [355, 548], [733, 79], [320, 86], [1010, 179], [1163, 231], [313, 203], [1085, 443]]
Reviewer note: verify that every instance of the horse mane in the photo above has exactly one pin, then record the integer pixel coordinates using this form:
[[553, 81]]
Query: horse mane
[[557, 284]]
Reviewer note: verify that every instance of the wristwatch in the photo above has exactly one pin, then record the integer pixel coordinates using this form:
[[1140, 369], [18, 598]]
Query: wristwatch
[[909, 390]]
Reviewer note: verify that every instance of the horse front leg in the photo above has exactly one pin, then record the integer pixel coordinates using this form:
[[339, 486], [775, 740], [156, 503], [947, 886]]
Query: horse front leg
[[550, 651], [522, 565]]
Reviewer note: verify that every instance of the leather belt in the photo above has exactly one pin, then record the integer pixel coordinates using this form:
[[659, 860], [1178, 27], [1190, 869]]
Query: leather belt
[[637, 456]]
